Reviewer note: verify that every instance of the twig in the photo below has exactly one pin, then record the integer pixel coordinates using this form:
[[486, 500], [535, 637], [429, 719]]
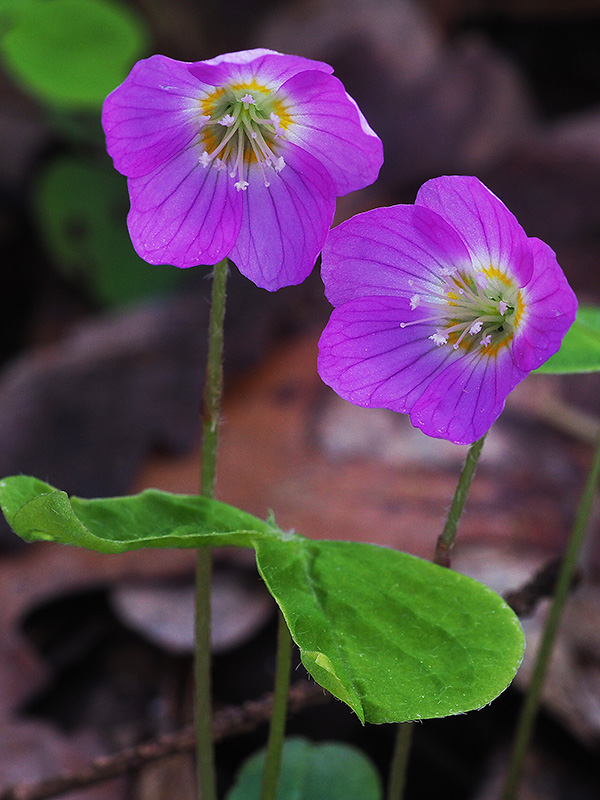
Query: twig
[[229, 721], [526, 598]]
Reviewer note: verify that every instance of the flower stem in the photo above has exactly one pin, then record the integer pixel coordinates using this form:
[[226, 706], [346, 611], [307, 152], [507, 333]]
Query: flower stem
[[211, 408], [446, 538], [399, 764], [272, 765], [561, 591]]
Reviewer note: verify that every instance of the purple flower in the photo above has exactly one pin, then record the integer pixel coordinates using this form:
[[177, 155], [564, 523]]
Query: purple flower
[[241, 156], [441, 308]]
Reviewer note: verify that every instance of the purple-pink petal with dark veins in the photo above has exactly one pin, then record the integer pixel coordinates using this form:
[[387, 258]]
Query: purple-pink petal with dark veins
[[266, 66], [152, 115], [184, 214], [490, 231], [464, 400], [285, 224], [550, 308], [328, 124], [369, 359], [401, 250]]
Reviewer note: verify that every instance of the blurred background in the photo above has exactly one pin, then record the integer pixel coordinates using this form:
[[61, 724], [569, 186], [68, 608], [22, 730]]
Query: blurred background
[[101, 361]]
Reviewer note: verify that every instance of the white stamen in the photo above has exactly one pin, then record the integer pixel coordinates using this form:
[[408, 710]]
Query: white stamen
[[502, 306], [486, 341], [414, 301], [245, 137], [475, 327]]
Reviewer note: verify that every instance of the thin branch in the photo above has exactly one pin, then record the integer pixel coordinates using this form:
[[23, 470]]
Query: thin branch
[[526, 598], [229, 721]]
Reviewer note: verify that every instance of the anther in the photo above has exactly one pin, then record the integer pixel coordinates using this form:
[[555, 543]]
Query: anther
[[227, 121], [439, 338]]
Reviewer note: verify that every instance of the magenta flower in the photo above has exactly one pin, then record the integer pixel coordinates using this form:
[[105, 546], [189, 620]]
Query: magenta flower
[[441, 308], [242, 156]]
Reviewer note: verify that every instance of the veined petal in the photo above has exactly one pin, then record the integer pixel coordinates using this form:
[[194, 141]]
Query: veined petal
[[550, 308], [284, 225], [266, 67], [463, 401], [369, 359], [152, 115], [328, 124], [184, 214], [490, 231], [390, 251]]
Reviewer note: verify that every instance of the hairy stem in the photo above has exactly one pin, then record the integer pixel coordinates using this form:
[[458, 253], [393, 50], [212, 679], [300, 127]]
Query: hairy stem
[[446, 539], [561, 591], [272, 766], [211, 409]]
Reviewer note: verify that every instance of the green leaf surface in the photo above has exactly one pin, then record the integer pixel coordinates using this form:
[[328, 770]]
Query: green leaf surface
[[81, 209], [324, 771], [395, 637], [37, 511], [72, 52], [580, 349]]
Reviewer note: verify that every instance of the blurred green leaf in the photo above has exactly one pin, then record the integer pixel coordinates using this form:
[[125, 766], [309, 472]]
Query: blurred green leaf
[[324, 771], [395, 637], [72, 52], [81, 209], [580, 350]]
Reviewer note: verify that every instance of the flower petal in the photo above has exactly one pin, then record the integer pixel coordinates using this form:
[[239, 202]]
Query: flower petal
[[551, 306], [369, 359], [267, 66], [152, 115], [184, 214], [465, 399], [490, 231], [284, 225], [389, 251], [328, 124]]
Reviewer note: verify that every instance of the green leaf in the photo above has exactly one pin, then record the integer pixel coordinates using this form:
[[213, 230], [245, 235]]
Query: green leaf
[[37, 511], [81, 209], [395, 637], [580, 350], [73, 52], [325, 771]]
